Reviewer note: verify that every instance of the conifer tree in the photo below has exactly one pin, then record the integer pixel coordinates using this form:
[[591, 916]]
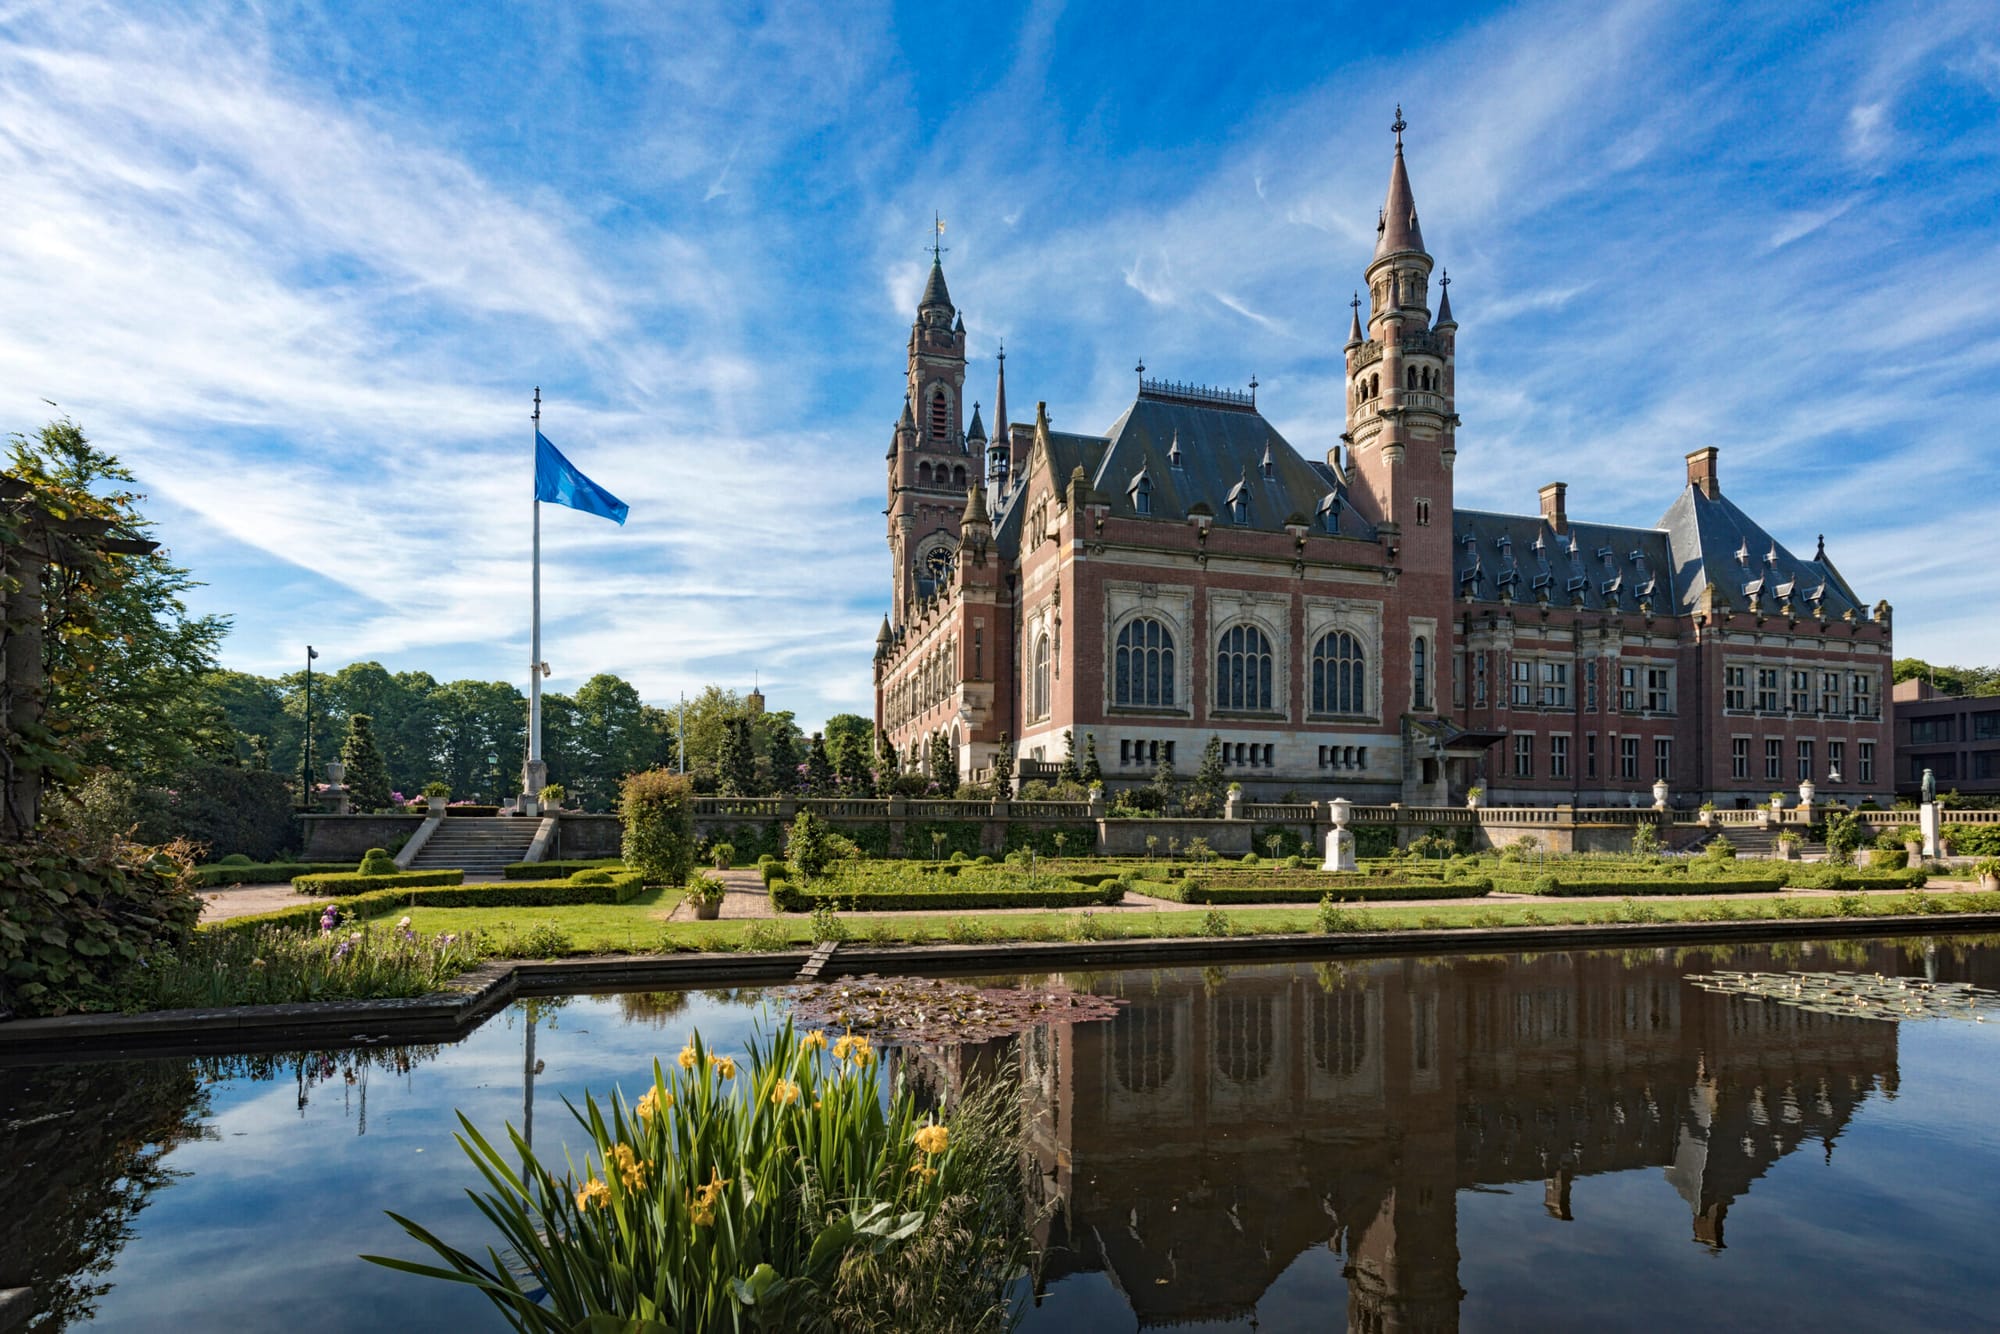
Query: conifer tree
[[1166, 784], [819, 768], [944, 764], [736, 765], [1211, 778], [1093, 772], [367, 776], [1003, 768], [1068, 772], [850, 767]]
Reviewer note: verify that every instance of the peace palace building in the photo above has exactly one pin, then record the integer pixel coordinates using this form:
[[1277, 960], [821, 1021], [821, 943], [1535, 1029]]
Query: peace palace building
[[1339, 623]]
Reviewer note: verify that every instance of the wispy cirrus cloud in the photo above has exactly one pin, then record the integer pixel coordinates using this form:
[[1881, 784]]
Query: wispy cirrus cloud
[[302, 268]]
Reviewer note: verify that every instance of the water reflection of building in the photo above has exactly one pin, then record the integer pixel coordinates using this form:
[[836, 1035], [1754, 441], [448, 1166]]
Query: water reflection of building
[[1221, 1126]]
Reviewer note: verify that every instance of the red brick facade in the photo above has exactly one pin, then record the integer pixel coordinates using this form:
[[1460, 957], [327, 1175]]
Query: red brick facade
[[1190, 573]]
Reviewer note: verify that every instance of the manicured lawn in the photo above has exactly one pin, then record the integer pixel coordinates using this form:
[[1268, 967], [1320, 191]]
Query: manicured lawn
[[598, 928]]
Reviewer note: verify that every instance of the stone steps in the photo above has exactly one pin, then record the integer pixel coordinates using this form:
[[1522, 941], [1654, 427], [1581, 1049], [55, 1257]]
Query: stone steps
[[477, 845]]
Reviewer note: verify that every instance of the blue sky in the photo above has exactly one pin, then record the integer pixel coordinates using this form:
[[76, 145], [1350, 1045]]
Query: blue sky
[[301, 266]]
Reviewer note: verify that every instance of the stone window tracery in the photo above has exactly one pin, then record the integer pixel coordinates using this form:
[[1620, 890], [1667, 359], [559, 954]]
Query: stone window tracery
[[1243, 669], [1339, 668], [1143, 665]]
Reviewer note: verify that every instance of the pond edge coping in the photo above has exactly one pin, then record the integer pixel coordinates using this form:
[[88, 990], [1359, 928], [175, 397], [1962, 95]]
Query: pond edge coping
[[449, 1015]]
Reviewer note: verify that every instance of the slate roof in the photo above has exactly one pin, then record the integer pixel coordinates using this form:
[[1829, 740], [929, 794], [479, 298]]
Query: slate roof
[[1222, 451], [1700, 540]]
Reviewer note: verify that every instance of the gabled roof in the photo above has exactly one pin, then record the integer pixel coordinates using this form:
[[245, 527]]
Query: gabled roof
[[1222, 451], [1700, 541], [1717, 544]]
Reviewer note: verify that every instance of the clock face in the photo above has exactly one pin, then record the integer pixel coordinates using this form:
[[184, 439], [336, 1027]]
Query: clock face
[[937, 564]]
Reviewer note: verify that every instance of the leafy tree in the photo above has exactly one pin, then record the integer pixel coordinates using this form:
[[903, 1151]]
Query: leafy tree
[[1093, 772], [130, 691], [1949, 680], [615, 737], [482, 736], [819, 768], [254, 707], [887, 766], [658, 810], [781, 755], [850, 766], [367, 778], [1210, 779], [849, 725], [1003, 768], [806, 848], [1068, 772]]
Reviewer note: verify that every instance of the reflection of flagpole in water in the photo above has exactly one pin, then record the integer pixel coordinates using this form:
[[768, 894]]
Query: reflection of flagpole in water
[[528, 1080]]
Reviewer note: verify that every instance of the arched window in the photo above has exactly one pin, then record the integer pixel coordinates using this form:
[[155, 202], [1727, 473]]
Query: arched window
[[1246, 1028], [1142, 496], [1411, 378], [1420, 689], [1038, 698], [958, 477], [923, 474], [1142, 1047], [940, 415], [1243, 669], [1337, 674], [1143, 665]]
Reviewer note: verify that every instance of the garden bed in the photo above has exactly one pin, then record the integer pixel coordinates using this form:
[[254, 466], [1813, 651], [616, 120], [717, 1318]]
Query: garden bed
[[875, 887], [620, 887], [1342, 889], [262, 873]]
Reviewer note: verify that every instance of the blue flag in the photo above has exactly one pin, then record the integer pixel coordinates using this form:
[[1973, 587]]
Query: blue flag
[[558, 482]]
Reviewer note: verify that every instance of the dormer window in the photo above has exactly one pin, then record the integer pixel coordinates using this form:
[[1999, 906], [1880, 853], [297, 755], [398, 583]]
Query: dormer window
[[1174, 451], [1142, 495], [1267, 464], [1329, 513], [1239, 506]]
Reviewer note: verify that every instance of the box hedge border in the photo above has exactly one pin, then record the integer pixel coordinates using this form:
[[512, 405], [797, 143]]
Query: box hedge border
[[263, 873], [1344, 890], [503, 894], [559, 870], [1639, 887], [789, 898], [344, 883]]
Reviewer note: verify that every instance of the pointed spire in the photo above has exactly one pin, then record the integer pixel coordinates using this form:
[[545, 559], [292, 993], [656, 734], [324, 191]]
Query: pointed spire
[[1444, 319], [1820, 554], [1354, 325], [882, 636], [978, 429], [975, 507], [1398, 228], [908, 421], [958, 327], [936, 295], [1000, 403]]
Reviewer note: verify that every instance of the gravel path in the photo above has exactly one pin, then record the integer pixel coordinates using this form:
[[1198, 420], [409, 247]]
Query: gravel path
[[219, 905]]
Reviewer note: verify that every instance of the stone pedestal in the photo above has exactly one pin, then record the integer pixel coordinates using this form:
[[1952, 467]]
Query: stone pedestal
[[1927, 821], [534, 777], [1339, 851]]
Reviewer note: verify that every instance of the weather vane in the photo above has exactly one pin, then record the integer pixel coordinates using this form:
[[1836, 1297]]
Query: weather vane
[[1399, 126], [937, 242]]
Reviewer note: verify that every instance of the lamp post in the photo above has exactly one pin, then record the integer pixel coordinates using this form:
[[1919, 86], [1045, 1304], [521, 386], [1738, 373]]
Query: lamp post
[[306, 766], [493, 767]]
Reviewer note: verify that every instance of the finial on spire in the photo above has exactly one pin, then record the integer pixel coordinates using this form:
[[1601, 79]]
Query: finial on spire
[[1820, 555], [937, 241], [1253, 389], [1398, 127], [1140, 369]]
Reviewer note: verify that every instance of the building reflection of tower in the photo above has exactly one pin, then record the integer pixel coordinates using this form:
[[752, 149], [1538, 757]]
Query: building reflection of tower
[[1221, 1126]]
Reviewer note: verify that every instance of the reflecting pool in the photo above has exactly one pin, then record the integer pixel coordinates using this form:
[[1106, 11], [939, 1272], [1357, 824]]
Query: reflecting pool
[[1562, 1140]]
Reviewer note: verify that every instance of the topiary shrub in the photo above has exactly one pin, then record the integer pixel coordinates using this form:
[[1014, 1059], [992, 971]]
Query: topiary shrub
[[591, 878], [377, 861], [808, 847], [236, 859], [658, 811]]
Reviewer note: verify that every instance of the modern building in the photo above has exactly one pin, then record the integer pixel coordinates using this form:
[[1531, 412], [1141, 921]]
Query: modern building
[[1956, 737], [1328, 611]]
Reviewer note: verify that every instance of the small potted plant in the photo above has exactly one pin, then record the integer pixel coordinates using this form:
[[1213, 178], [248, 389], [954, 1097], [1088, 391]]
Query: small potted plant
[[1707, 813], [705, 892], [1788, 845], [553, 795], [1988, 871], [436, 795], [1912, 839], [1473, 796]]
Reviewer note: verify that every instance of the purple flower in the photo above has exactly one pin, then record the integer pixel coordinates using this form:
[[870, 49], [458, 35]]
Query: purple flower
[[346, 948], [329, 920]]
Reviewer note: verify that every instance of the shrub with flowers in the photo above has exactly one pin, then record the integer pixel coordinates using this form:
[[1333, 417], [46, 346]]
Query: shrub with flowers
[[782, 1192]]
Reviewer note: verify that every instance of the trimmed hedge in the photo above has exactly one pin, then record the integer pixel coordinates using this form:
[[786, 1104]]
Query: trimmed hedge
[[957, 836], [253, 873], [856, 893], [1769, 882], [506, 894], [1822, 876], [353, 882], [558, 870], [1345, 889], [1077, 838]]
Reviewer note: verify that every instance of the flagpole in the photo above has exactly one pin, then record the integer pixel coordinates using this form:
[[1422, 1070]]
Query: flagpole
[[534, 770]]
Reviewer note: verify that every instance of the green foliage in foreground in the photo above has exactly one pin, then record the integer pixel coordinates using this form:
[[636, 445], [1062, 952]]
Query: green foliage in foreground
[[787, 1192], [270, 965]]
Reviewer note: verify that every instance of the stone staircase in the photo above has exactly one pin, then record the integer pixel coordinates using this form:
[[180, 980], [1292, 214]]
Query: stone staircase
[[476, 845], [1751, 841]]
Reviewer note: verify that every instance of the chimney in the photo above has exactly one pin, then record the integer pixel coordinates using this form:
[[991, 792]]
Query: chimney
[[1553, 512], [1701, 472]]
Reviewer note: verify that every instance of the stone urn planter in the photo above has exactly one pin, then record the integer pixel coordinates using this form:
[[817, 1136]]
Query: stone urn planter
[[707, 912], [1473, 797], [1788, 848], [1990, 882]]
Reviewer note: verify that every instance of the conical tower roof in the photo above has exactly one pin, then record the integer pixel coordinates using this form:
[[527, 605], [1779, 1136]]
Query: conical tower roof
[[978, 428], [1354, 324], [936, 294], [1444, 319], [1398, 230], [975, 506]]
